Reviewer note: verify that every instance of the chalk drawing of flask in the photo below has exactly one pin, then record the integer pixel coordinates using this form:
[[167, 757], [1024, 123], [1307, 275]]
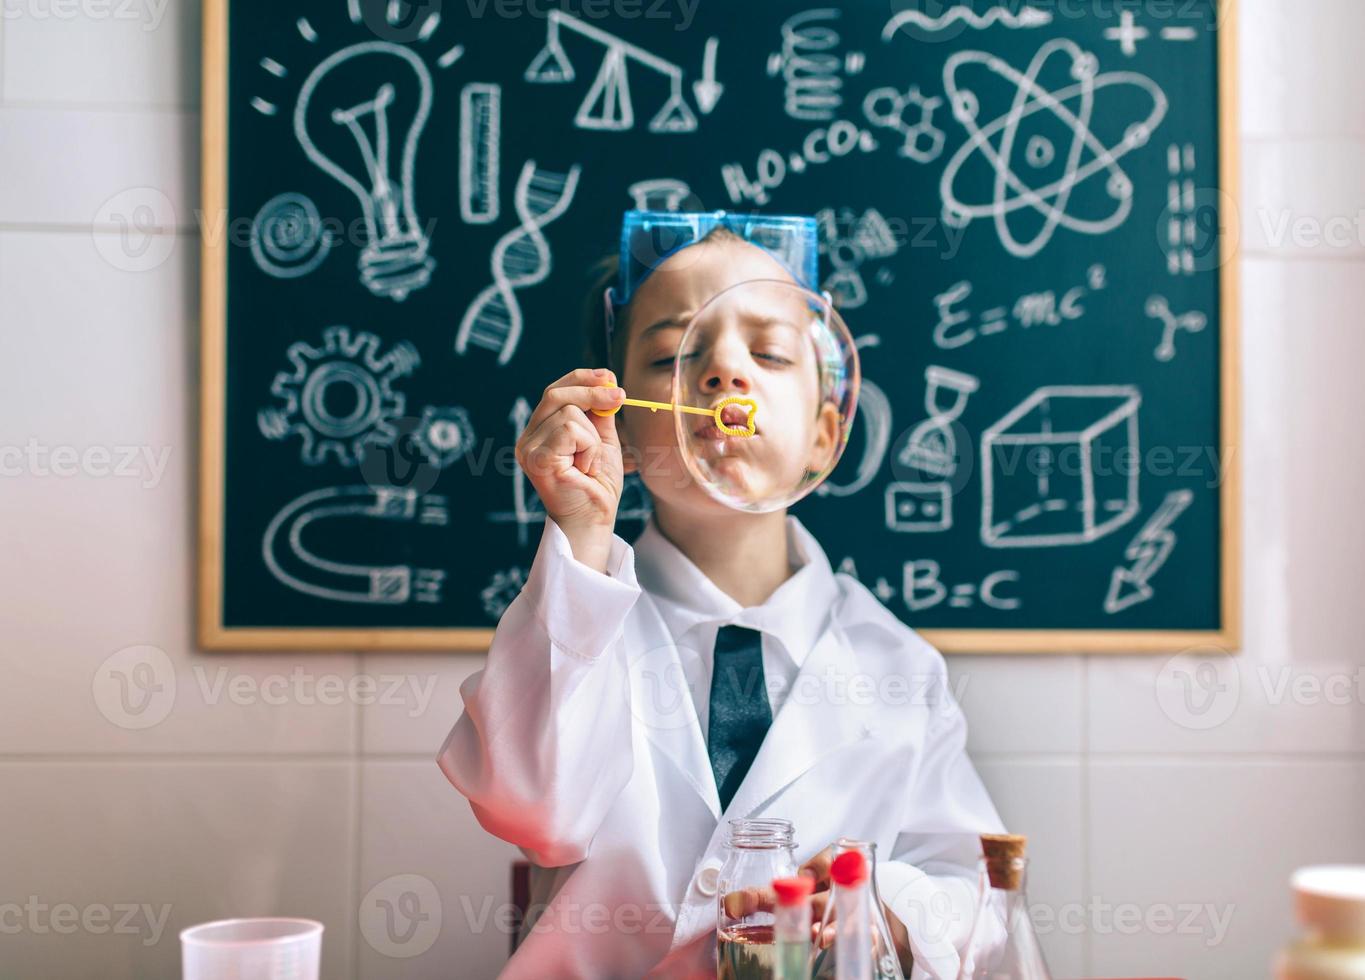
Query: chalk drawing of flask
[[359, 116]]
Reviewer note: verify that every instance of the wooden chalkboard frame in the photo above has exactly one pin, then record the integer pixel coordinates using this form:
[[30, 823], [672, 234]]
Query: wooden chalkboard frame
[[213, 635]]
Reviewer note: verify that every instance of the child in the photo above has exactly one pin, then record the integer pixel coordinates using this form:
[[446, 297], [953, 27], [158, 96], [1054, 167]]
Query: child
[[602, 740]]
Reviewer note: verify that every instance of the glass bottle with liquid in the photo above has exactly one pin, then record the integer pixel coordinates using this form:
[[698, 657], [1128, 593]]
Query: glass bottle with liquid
[[884, 959], [758, 851], [1003, 944]]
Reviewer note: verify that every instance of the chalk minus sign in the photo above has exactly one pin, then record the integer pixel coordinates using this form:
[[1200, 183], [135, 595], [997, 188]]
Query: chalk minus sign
[[1178, 33]]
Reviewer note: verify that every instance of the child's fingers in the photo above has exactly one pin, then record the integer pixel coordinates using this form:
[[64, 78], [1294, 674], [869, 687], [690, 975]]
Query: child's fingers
[[565, 434], [747, 901], [582, 396], [818, 867]]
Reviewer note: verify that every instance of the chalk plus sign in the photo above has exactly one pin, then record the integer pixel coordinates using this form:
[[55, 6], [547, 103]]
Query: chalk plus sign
[[1128, 34]]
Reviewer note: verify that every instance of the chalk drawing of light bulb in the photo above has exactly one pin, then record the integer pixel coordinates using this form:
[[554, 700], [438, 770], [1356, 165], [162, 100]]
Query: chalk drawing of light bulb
[[349, 117]]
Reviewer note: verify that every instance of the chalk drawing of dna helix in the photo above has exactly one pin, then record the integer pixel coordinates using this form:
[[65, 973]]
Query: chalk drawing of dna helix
[[521, 258]]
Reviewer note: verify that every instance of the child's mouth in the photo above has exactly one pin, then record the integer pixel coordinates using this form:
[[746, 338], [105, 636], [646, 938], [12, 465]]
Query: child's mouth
[[733, 416]]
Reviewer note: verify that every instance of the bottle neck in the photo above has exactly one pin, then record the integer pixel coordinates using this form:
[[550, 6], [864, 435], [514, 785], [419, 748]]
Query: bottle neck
[[762, 833]]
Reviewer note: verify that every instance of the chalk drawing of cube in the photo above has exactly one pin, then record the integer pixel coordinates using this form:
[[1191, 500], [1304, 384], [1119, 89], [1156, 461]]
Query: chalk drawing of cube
[[1061, 468]]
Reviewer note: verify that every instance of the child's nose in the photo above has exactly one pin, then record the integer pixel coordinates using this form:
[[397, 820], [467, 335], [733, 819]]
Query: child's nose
[[729, 367]]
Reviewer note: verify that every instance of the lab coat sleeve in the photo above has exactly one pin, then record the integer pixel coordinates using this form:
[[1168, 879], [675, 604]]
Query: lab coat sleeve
[[931, 880], [543, 748]]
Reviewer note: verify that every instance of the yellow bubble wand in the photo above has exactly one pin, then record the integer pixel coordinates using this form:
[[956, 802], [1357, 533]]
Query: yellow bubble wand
[[748, 404]]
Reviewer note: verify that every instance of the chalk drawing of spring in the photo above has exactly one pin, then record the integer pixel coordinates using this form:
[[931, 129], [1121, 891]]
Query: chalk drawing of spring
[[291, 561], [287, 237], [809, 66], [521, 258]]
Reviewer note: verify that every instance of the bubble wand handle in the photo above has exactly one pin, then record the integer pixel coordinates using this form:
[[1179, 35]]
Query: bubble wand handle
[[750, 406]]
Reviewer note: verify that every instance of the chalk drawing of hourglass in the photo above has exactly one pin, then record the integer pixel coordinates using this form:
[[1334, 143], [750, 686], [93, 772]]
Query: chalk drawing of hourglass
[[932, 447], [358, 118]]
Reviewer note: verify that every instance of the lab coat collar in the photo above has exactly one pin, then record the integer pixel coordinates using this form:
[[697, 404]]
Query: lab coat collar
[[796, 613]]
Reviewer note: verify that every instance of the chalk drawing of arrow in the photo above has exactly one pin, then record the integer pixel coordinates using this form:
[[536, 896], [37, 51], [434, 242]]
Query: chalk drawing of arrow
[[708, 90], [1146, 553]]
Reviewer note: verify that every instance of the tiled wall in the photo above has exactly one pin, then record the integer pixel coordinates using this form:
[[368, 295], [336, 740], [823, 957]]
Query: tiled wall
[[1163, 829]]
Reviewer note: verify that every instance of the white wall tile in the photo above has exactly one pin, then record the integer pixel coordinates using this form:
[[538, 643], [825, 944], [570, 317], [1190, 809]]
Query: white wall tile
[[1303, 198], [210, 841], [424, 705], [1020, 704], [1215, 703], [419, 837], [1297, 686], [98, 168], [1045, 801], [1325, 348], [1299, 67], [125, 52], [1177, 836], [102, 562]]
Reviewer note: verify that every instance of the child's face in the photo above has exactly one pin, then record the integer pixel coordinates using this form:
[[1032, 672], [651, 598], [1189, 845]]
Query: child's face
[[754, 344]]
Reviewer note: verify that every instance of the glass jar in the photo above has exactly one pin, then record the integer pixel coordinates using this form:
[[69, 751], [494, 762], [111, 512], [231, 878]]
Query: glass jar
[[885, 960], [758, 851], [1330, 901]]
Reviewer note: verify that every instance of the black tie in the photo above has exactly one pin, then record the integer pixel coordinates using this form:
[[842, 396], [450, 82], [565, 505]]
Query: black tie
[[740, 715]]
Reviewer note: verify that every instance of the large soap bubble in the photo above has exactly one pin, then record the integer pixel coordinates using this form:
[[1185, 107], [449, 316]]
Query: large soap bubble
[[782, 353]]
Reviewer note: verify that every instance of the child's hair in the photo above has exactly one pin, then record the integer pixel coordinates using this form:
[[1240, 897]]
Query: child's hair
[[603, 276]]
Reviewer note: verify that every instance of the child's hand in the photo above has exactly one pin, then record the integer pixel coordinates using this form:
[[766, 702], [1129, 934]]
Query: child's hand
[[818, 868], [573, 459]]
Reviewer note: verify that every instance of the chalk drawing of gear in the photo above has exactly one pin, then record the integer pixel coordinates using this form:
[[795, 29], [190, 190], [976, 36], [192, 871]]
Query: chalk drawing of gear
[[293, 564], [444, 434], [339, 397]]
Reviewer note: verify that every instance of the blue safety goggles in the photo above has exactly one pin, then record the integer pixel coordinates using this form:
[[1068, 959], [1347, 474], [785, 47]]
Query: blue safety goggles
[[650, 237]]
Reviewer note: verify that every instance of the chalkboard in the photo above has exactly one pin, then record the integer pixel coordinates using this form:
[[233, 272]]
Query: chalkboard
[[1025, 222]]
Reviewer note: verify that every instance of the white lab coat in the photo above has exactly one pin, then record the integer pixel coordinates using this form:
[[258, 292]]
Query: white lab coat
[[579, 744]]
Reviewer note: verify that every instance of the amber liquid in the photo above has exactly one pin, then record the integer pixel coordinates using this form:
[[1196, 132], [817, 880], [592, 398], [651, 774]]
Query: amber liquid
[[746, 953]]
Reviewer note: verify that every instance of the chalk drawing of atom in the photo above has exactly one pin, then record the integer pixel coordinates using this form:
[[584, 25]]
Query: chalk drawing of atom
[[1042, 151]]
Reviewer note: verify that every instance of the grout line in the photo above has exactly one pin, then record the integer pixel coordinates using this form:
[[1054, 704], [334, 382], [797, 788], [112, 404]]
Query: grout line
[[1288, 137], [357, 823], [1087, 840], [1085, 759], [164, 758], [88, 228], [76, 105]]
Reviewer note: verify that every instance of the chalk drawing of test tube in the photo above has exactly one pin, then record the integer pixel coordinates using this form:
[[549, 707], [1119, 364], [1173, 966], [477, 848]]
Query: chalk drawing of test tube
[[297, 567]]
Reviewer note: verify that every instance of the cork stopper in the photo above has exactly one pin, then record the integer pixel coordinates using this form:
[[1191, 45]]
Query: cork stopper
[[1005, 859]]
